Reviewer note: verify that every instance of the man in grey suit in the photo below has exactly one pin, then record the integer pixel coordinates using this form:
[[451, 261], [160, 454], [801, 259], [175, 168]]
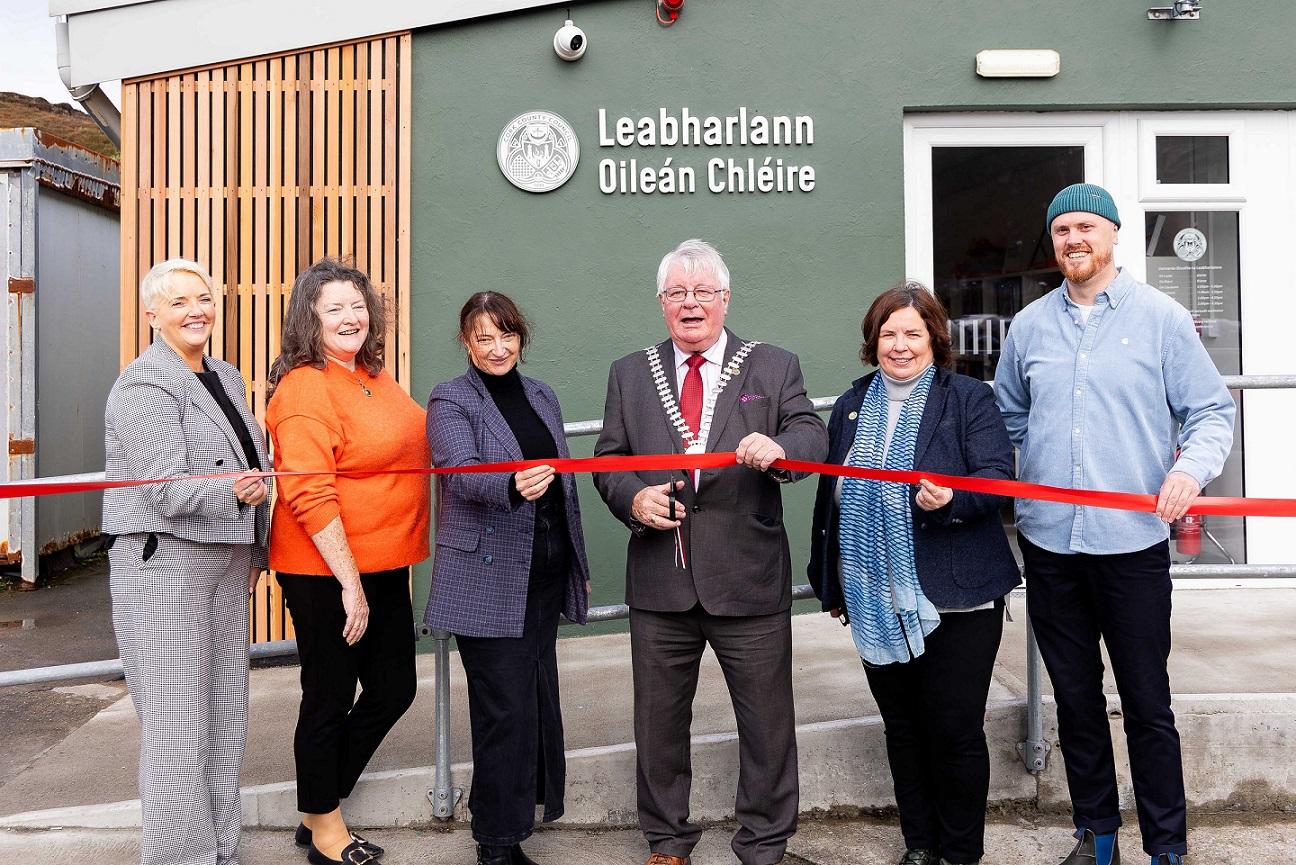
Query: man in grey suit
[[708, 559]]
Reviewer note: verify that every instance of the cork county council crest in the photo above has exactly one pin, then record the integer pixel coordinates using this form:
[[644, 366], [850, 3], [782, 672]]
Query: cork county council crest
[[538, 151], [1190, 244]]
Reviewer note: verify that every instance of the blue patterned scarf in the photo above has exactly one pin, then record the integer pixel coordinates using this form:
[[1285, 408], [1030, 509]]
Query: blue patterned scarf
[[889, 614]]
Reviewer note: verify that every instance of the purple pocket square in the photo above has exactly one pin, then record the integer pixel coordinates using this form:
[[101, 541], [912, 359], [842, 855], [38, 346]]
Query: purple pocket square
[[750, 397]]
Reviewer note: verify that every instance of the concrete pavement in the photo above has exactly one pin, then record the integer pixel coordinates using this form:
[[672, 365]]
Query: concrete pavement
[[1232, 668], [1236, 840]]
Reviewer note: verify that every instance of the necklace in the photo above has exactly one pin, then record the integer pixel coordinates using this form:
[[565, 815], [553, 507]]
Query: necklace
[[694, 442], [351, 375]]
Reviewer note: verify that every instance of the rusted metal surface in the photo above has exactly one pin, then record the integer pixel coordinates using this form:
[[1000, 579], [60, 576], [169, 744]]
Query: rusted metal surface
[[71, 540], [21, 285], [21, 446], [59, 164]]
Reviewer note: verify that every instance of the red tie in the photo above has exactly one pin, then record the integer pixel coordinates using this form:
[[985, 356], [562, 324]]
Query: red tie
[[691, 393]]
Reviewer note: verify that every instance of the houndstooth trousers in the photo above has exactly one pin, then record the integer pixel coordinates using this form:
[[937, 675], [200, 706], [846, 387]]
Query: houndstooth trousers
[[181, 620]]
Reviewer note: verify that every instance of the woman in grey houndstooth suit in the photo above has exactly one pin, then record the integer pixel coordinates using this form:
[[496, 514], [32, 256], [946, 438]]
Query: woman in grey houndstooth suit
[[185, 556]]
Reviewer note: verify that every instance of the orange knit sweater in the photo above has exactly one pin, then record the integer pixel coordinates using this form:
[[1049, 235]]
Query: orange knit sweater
[[321, 419]]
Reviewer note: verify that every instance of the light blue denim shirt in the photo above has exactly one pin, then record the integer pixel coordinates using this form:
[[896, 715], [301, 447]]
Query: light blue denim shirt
[[1103, 405]]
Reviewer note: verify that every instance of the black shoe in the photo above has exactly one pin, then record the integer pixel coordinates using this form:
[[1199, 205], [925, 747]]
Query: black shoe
[[353, 854], [945, 861], [1084, 852], [1167, 859], [489, 854], [518, 857], [919, 857], [302, 838]]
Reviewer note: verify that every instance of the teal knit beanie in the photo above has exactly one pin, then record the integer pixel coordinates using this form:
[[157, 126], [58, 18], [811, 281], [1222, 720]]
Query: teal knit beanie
[[1084, 198]]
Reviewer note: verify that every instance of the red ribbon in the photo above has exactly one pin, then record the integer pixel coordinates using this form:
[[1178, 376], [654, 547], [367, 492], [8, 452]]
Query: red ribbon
[[1216, 505]]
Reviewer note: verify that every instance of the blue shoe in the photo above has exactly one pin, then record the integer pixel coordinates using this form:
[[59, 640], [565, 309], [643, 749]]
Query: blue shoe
[[1167, 859], [1086, 850]]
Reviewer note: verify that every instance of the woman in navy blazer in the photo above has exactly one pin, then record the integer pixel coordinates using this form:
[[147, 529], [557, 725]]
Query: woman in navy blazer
[[510, 556], [923, 590]]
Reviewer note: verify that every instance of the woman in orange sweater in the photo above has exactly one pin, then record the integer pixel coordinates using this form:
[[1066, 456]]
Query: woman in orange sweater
[[342, 544]]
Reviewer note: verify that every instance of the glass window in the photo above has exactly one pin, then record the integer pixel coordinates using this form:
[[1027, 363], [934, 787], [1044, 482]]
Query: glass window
[[1193, 257], [1192, 159], [991, 252]]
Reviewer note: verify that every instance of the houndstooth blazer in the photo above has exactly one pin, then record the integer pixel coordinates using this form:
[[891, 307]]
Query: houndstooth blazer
[[160, 422]]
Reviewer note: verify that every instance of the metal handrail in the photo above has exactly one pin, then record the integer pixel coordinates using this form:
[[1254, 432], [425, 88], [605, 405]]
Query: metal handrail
[[1033, 751]]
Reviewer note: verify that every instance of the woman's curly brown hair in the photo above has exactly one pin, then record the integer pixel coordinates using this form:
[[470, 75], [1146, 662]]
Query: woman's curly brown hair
[[299, 343]]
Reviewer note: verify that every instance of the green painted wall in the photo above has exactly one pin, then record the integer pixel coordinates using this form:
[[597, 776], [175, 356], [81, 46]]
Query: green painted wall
[[805, 265]]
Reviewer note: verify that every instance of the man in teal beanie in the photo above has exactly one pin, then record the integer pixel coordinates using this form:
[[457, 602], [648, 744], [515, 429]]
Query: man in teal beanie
[[1104, 384]]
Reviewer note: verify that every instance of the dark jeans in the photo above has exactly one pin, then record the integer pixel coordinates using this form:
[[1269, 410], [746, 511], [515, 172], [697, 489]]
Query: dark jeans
[[1124, 599], [755, 653], [337, 733], [513, 705], [934, 710]]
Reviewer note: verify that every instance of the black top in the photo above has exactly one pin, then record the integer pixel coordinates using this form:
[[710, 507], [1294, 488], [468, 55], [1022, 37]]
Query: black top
[[533, 437], [211, 380]]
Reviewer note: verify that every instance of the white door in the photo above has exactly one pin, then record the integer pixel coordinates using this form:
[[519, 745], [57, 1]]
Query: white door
[[1206, 202]]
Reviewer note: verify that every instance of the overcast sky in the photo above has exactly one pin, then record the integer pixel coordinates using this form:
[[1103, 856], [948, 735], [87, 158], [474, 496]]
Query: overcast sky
[[28, 59]]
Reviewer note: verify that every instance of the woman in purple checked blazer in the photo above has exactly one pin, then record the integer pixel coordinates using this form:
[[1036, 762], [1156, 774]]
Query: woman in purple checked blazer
[[510, 556]]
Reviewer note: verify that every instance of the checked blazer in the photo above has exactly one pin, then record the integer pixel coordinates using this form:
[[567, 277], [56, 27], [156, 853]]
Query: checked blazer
[[160, 422], [737, 547], [482, 562]]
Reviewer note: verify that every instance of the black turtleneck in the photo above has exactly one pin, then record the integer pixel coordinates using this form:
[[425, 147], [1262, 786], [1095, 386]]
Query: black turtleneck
[[533, 437]]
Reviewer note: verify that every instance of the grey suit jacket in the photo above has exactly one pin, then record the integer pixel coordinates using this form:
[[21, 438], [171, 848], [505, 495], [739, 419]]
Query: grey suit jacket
[[739, 564], [160, 422]]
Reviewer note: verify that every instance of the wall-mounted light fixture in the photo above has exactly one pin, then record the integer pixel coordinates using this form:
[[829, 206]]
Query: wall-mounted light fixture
[[1018, 63], [1181, 10]]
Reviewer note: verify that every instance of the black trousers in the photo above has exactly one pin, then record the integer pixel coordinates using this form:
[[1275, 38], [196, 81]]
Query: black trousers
[[336, 732], [755, 654], [513, 705], [1124, 600], [934, 711]]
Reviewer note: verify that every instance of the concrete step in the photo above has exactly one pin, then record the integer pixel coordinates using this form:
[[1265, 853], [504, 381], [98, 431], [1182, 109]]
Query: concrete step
[[1232, 665]]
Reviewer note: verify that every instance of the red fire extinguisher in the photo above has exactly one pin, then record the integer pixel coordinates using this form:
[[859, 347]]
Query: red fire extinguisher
[[1188, 531], [1188, 534]]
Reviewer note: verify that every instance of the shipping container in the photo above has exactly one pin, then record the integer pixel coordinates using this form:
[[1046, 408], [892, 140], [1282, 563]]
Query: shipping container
[[61, 254]]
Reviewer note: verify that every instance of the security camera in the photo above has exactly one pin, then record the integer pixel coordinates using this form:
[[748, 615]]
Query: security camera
[[569, 41]]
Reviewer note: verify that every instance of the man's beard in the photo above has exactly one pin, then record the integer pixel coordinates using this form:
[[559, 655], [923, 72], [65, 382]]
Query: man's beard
[[1083, 271]]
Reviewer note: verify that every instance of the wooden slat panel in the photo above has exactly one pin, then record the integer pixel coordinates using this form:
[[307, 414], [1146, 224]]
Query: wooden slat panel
[[400, 284], [188, 167], [174, 156], [346, 175], [130, 275], [363, 78], [257, 169], [376, 227], [318, 176], [332, 152], [390, 230], [215, 151], [202, 170], [159, 186]]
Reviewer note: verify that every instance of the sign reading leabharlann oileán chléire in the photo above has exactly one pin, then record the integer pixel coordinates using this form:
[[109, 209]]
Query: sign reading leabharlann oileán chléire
[[684, 129]]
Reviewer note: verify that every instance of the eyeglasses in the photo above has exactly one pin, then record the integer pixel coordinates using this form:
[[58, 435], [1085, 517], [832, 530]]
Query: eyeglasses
[[702, 294]]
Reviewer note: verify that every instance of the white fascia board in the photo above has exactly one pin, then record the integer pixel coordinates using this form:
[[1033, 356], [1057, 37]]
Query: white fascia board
[[124, 39], [76, 7]]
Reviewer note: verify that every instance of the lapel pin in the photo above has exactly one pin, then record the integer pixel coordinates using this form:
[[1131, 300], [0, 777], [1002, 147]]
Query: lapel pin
[[852, 415]]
